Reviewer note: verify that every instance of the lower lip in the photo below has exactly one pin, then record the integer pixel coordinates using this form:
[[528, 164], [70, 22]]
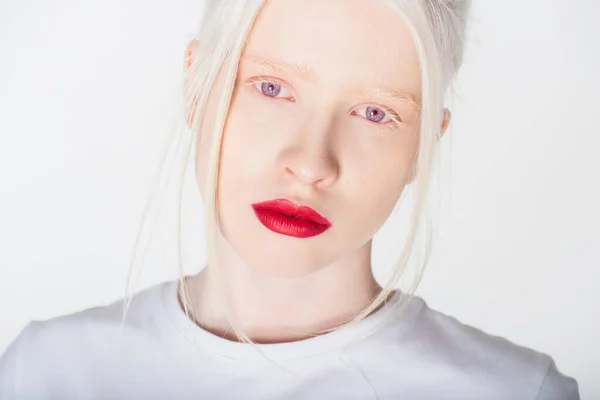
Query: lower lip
[[289, 226]]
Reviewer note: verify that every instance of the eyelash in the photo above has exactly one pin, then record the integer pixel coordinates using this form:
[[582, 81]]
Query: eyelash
[[395, 119]]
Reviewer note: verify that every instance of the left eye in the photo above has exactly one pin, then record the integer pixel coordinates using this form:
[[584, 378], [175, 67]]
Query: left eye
[[271, 89], [375, 114]]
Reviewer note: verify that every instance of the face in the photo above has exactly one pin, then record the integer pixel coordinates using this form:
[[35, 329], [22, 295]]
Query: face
[[324, 114]]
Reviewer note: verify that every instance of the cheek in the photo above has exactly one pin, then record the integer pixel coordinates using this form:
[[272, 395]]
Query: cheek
[[254, 135], [248, 154], [245, 145], [380, 177], [232, 132], [202, 151], [377, 187]]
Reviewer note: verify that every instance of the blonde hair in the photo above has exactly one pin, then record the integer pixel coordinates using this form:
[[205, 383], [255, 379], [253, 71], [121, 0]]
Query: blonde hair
[[437, 27]]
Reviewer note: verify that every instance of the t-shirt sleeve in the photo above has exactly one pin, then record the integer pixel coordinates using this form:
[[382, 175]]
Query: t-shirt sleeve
[[557, 386], [11, 364]]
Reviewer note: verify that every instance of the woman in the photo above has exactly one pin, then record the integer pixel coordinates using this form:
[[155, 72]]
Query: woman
[[311, 118]]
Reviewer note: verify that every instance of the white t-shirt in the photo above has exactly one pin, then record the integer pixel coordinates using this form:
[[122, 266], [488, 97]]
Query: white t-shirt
[[160, 354]]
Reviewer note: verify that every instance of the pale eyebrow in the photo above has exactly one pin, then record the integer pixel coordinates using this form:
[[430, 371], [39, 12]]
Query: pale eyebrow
[[307, 74], [281, 66], [391, 93]]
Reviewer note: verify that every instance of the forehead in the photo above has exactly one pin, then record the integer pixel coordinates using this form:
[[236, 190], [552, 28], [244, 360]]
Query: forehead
[[341, 41]]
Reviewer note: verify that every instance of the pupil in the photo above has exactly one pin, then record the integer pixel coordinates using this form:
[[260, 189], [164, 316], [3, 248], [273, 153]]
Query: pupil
[[270, 89], [375, 114]]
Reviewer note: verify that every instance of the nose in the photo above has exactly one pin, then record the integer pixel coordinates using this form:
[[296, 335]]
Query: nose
[[311, 158]]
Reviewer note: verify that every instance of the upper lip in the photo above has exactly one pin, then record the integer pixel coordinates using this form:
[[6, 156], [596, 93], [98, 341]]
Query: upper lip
[[285, 206]]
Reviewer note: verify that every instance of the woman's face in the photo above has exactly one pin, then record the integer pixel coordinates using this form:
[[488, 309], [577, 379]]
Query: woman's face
[[324, 114]]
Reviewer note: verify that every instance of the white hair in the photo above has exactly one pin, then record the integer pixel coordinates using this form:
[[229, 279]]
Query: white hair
[[437, 28]]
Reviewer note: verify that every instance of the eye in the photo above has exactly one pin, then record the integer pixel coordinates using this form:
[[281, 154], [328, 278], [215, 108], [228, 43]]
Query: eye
[[271, 89], [377, 115]]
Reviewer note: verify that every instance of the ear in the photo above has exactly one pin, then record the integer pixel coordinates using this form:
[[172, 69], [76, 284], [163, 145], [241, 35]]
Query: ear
[[189, 69], [190, 53], [445, 121]]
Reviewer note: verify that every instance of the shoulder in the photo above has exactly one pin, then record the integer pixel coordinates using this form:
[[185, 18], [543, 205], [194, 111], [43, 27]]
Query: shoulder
[[44, 350], [141, 313], [491, 360]]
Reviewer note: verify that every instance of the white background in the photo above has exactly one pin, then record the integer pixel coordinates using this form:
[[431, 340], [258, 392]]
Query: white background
[[85, 93]]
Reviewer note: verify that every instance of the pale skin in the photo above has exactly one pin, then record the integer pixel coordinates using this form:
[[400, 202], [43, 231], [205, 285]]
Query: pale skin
[[316, 143]]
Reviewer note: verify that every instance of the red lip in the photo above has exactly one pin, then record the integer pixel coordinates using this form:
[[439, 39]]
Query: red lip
[[284, 217]]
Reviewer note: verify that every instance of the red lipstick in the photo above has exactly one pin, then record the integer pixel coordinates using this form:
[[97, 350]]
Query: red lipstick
[[284, 217]]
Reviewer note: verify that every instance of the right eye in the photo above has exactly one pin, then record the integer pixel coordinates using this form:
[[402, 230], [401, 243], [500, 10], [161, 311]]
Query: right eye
[[271, 88]]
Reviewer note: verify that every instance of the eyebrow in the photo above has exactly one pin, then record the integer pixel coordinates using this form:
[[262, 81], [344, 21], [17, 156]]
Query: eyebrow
[[307, 74], [389, 92], [281, 66]]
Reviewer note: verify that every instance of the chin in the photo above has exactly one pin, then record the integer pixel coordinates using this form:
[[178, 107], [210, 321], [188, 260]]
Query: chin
[[279, 256], [286, 258], [273, 254]]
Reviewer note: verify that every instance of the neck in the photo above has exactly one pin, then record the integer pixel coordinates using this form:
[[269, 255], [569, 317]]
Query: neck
[[274, 309]]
